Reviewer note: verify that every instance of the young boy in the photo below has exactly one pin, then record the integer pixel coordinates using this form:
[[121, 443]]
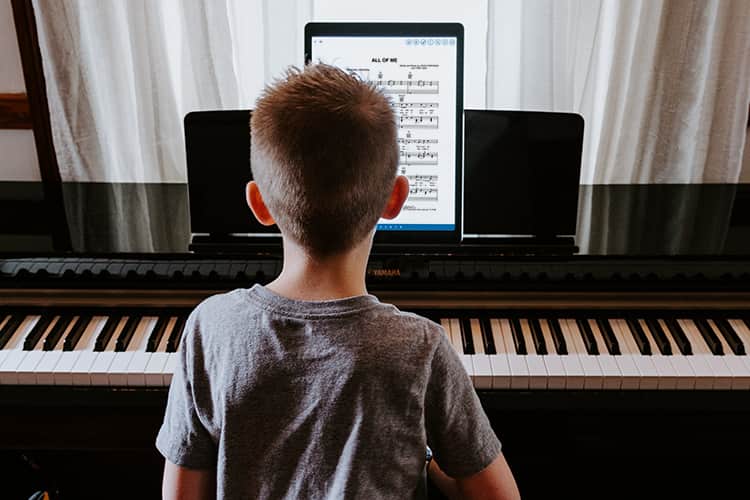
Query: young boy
[[309, 387]]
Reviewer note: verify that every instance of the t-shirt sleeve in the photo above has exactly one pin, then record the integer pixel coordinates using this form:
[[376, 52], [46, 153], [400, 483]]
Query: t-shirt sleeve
[[182, 438], [458, 431]]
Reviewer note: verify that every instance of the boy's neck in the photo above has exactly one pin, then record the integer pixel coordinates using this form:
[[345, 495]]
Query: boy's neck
[[305, 278]]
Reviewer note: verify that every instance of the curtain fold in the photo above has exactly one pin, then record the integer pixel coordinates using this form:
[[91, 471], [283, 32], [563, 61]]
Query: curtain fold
[[121, 75], [662, 84]]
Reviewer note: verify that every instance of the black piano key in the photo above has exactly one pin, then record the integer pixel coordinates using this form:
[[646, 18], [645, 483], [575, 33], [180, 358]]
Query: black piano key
[[683, 344], [126, 335], [105, 334], [538, 336], [588, 336], [662, 342], [610, 339], [518, 342], [53, 337], [639, 336], [174, 338], [466, 338], [557, 336], [709, 336], [72, 338], [32, 338], [733, 340], [9, 328], [156, 335], [489, 340]]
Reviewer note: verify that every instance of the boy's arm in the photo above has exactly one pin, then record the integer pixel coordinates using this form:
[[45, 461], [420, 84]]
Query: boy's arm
[[493, 482], [187, 484]]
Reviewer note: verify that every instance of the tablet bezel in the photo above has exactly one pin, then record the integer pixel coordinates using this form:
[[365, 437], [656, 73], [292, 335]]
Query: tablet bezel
[[376, 29]]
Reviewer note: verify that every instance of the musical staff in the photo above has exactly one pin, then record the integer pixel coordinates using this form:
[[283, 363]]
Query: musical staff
[[423, 187], [418, 122], [418, 105], [409, 86], [418, 158], [409, 140]]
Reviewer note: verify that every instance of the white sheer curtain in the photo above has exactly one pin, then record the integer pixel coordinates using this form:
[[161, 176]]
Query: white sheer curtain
[[663, 85], [122, 74]]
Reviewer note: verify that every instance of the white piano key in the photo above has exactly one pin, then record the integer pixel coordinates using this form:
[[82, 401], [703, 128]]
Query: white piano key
[[154, 371], [118, 370], [171, 364], [501, 375], [649, 374], [26, 371], [62, 372], [743, 332], [99, 371], [5, 351], [458, 344], [556, 374], [593, 376], [740, 373], [703, 361], [667, 378], [519, 371], [136, 369], [630, 376], [454, 332], [575, 376], [681, 365], [14, 353], [481, 361], [169, 367], [607, 362], [81, 370], [534, 362], [45, 369]]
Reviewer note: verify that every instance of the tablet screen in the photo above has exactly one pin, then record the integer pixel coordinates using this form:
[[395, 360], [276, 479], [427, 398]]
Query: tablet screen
[[419, 75]]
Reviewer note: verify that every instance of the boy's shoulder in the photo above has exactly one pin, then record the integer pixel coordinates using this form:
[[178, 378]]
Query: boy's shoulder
[[239, 305]]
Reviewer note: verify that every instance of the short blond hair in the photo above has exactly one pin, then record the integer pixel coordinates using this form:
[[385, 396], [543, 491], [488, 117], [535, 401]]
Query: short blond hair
[[324, 153]]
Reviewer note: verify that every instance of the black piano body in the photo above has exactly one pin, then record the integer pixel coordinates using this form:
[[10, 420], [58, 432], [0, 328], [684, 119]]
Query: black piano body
[[562, 442]]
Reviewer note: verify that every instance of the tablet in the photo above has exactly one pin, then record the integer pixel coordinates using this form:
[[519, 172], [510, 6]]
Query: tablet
[[420, 67]]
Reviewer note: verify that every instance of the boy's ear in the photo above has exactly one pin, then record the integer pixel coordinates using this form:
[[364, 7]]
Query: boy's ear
[[257, 205], [397, 198]]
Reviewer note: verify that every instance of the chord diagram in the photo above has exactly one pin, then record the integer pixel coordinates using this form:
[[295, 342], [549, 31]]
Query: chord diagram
[[418, 158], [418, 121], [409, 86], [423, 187]]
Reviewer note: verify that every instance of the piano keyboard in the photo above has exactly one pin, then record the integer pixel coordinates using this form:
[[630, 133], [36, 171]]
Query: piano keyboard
[[533, 353], [61, 348], [132, 349]]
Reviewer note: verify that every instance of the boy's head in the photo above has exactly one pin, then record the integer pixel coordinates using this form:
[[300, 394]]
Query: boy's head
[[324, 156]]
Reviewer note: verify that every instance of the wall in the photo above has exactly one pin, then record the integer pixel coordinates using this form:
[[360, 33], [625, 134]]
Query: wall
[[18, 160]]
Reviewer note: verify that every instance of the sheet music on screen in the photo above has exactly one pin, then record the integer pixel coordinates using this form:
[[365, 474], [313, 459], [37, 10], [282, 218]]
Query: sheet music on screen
[[419, 75]]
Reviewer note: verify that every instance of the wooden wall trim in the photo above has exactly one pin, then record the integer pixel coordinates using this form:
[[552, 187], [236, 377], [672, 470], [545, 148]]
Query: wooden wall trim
[[36, 90], [14, 112]]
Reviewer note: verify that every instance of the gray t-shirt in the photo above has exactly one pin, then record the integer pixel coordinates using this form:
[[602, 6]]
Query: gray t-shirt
[[327, 399]]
